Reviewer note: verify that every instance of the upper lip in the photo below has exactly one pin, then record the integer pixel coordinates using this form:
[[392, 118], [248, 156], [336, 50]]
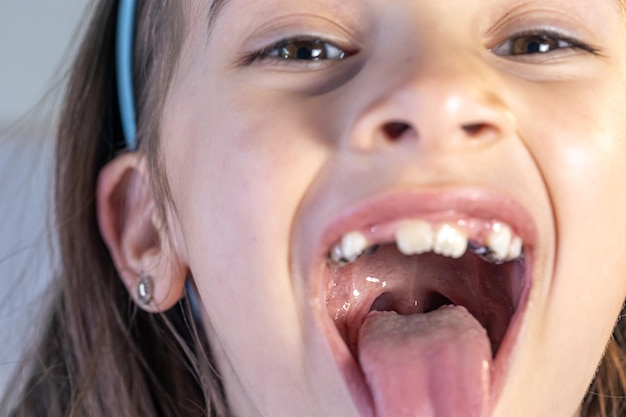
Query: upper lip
[[448, 204]]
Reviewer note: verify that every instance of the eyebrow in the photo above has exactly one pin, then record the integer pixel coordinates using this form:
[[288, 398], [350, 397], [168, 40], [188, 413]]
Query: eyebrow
[[214, 12], [218, 5]]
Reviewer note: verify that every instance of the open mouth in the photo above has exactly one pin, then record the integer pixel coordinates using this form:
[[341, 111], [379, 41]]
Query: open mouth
[[424, 305]]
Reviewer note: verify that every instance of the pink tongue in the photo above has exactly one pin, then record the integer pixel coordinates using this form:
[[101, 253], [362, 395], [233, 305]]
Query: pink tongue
[[423, 365]]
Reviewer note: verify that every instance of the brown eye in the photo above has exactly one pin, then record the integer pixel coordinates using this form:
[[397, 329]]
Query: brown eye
[[300, 50], [306, 50], [537, 44], [541, 44]]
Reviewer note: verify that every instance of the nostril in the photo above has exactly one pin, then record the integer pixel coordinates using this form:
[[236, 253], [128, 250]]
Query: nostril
[[395, 130], [475, 129]]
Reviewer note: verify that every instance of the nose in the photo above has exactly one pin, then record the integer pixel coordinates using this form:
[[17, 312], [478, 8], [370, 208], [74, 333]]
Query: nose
[[444, 106]]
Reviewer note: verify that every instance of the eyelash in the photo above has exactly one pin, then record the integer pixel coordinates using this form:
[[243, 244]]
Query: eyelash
[[318, 50], [543, 39]]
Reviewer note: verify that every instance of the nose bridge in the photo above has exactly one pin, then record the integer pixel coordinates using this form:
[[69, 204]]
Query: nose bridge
[[445, 99]]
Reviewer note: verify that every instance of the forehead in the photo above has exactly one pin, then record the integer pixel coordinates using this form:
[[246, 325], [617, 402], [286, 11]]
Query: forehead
[[218, 5]]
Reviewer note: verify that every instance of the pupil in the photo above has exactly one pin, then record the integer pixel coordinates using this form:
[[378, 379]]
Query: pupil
[[534, 47], [303, 53], [538, 47]]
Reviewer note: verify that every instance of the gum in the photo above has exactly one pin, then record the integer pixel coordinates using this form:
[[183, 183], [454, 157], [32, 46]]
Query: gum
[[476, 230]]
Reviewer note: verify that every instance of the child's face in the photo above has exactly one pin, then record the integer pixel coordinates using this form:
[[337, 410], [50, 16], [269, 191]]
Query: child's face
[[453, 112]]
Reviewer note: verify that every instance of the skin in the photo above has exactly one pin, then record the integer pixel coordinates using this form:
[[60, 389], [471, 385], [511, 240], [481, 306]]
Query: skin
[[261, 156]]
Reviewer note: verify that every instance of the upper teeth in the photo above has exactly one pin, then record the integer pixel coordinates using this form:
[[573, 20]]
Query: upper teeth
[[450, 241], [417, 236], [515, 250], [350, 248], [499, 240]]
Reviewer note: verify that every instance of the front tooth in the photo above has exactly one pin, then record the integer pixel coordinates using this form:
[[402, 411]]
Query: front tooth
[[414, 237], [450, 241], [352, 245], [515, 250], [499, 240]]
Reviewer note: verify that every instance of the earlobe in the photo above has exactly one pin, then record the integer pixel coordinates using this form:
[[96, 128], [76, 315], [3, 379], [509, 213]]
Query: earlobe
[[134, 232]]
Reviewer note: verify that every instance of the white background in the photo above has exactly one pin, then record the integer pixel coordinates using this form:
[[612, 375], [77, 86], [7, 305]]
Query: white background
[[37, 40]]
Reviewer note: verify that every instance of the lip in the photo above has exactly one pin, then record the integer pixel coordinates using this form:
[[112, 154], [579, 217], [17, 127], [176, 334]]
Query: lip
[[442, 204]]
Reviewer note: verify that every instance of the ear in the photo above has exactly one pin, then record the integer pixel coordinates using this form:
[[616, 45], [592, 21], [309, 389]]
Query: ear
[[134, 232]]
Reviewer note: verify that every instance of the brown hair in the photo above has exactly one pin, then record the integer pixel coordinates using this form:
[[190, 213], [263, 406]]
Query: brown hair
[[100, 355], [606, 396]]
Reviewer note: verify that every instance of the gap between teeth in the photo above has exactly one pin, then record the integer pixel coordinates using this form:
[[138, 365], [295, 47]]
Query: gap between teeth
[[414, 237]]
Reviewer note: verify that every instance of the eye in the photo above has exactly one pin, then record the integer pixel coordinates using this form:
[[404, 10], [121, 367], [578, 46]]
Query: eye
[[299, 50], [307, 50], [538, 43]]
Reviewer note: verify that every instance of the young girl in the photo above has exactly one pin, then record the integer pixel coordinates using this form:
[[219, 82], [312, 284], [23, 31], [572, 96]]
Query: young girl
[[355, 208]]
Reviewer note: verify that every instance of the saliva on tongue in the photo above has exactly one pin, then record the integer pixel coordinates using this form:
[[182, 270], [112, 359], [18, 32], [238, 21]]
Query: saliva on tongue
[[436, 364]]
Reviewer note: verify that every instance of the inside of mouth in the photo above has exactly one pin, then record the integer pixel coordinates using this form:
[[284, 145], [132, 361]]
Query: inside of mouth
[[386, 280]]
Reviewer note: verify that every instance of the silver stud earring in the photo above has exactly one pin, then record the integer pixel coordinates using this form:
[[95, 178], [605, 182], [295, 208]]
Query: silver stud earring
[[144, 290]]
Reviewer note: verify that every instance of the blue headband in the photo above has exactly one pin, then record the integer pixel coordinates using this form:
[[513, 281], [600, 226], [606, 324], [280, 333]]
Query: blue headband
[[125, 93], [124, 67]]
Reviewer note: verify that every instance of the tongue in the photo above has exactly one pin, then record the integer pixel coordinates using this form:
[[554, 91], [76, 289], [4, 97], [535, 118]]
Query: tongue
[[426, 365]]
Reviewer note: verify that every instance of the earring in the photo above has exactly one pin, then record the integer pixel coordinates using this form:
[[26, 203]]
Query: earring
[[144, 290]]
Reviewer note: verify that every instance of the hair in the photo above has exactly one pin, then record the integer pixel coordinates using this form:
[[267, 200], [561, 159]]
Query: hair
[[100, 355], [606, 396]]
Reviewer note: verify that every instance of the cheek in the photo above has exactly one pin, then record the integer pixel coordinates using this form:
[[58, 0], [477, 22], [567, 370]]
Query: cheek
[[237, 187], [583, 166]]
